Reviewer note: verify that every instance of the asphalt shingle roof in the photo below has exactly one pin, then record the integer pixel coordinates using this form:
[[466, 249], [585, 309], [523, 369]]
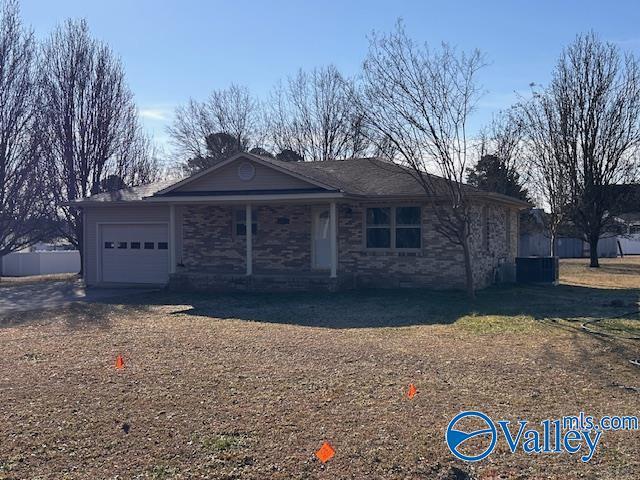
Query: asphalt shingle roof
[[359, 176], [364, 176], [368, 177], [131, 193]]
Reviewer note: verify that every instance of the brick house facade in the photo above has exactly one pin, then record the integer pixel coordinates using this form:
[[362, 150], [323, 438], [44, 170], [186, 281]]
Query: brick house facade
[[343, 224], [210, 245]]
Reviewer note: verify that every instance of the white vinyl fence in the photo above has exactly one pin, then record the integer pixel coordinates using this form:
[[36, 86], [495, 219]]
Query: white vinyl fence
[[630, 244], [21, 264]]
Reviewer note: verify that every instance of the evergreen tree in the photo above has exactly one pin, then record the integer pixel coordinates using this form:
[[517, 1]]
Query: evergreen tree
[[492, 175]]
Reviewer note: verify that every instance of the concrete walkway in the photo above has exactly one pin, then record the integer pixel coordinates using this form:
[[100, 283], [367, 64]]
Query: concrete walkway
[[44, 295]]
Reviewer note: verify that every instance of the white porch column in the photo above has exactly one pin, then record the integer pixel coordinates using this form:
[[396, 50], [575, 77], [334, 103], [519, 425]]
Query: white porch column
[[172, 238], [334, 240], [249, 236]]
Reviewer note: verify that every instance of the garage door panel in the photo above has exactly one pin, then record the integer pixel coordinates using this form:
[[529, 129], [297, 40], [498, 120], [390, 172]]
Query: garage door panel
[[134, 253]]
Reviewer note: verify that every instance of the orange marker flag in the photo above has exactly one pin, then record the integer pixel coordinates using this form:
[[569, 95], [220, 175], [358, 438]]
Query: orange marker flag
[[412, 391], [119, 362], [325, 453]]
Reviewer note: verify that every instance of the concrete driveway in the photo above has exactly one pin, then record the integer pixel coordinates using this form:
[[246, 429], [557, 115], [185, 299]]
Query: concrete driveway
[[43, 295]]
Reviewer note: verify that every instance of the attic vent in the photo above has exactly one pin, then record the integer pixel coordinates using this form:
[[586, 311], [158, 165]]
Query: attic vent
[[246, 171]]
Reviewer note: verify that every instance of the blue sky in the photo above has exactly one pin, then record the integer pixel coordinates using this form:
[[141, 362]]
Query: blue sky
[[173, 50]]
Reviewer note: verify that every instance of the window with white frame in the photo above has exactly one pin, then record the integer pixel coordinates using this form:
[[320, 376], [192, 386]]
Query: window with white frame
[[240, 226], [397, 228]]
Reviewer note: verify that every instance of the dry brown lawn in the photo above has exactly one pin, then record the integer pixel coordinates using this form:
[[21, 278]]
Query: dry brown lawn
[[249, 386], [613, 272], [32, 279]]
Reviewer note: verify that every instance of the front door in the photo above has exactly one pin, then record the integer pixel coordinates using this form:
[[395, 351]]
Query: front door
[[321, 248]]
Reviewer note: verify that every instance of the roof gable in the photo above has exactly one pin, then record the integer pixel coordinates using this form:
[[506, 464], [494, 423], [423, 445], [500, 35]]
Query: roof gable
[[245, 173]]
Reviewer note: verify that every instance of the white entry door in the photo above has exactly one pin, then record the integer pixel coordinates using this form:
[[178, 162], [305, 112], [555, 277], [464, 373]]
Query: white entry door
[[321, 239]]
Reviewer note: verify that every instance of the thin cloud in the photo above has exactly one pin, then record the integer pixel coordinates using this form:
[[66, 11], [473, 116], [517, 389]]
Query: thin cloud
[[155, 113]]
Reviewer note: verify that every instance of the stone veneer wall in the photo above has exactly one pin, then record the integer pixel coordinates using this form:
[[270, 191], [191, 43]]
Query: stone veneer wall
[[283, 245]]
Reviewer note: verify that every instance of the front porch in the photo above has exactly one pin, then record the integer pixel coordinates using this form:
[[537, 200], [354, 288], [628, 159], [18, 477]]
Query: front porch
[[254, 246], [203, 281]]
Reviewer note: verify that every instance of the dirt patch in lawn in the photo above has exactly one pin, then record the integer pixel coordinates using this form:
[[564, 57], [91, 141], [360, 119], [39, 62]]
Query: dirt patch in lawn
[[250, 386]]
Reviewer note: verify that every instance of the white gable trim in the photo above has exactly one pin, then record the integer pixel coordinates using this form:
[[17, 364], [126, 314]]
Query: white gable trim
[[290, 197], [232, 159]]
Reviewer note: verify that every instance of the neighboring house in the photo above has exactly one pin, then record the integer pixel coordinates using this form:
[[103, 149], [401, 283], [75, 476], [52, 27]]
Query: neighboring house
[[628, 218], [629, 239], [314, 225], [622, 235], [535, 240], [55, 256], [55, 245]]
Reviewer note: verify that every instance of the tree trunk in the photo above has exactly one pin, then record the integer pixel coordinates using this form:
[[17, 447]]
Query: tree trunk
[[552, 250], [593, 251], [468, 269]]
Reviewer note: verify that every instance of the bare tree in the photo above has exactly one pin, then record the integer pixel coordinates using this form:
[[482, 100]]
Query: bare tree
[[501, 148], [91, 123], [418, 101], [541, 153], [593, 103], [503, 138], [313, 116], [23, 205], [232, 111], [139, 159]]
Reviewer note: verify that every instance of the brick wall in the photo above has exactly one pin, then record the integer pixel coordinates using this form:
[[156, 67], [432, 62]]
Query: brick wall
[[490, 251], [283, 245], [439, 263], [208, 241]]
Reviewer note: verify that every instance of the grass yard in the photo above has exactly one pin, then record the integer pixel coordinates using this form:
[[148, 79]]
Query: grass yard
[[34, 279], [249, 386]]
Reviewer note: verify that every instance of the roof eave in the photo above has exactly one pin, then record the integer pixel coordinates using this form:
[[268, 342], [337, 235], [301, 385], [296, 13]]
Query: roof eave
[[424, 196], [242, 198], [498, 197]]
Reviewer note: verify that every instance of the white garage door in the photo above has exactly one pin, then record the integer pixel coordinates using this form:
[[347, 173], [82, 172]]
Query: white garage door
[[134, 253]]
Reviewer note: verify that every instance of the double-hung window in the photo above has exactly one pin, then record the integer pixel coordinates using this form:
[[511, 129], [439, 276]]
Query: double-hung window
[[379, 227], [397, 228]]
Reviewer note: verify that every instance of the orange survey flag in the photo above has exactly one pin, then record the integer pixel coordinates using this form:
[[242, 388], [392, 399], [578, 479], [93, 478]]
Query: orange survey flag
[[119, 362], [325, 453], [412, 391]]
